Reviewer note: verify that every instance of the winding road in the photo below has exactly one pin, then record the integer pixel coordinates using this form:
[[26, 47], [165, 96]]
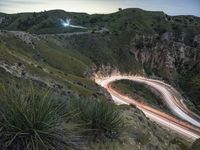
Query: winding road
[[189, 124]]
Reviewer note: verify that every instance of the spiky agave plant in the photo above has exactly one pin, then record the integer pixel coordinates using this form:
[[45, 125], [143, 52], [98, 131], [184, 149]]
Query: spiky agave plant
[[101, 118], [32, 120]]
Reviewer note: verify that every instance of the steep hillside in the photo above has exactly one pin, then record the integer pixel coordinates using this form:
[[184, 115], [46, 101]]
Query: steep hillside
[[174, 61], [35, 46], [128, 19], [162, 45]]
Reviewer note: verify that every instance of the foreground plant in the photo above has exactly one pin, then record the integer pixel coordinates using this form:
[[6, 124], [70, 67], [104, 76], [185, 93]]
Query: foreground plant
[[31, 120], [101, 119]]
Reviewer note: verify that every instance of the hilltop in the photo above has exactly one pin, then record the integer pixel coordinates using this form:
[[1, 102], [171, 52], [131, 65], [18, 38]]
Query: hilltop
[[136, 20]]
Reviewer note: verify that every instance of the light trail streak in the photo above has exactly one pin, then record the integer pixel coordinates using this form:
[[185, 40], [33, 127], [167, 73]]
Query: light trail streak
[[67, 23], [170, 96]]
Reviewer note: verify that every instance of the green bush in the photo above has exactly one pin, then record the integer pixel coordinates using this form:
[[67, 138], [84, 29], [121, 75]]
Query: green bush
[[32, 120], [101, 119], [107, 145], [196, 145]]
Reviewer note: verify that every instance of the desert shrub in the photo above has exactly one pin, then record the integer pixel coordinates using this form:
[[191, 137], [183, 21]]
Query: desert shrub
[[195, 145], [101, 119], [107, 145], [32, 120]]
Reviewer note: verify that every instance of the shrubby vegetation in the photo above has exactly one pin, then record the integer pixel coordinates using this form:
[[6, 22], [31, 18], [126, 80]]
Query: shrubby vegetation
[[190, 84], [30, 119], [64, 61], [100, 118], [127, 29], [137, 91], [38, 120], [195, 145], [124, 20]]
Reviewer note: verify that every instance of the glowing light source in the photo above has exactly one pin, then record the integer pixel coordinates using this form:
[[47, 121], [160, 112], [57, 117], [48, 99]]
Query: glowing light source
[[67, 23]]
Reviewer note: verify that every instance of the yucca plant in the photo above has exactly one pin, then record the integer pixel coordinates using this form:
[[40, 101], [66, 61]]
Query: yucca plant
[[107, 145], [101, 119], [32, 120]]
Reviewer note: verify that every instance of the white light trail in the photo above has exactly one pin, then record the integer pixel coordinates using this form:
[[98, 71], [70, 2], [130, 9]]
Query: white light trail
[[170, 96], [67, 23]]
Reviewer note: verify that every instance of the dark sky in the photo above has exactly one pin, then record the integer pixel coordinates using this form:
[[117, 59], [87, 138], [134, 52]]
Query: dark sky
[[171, 7]]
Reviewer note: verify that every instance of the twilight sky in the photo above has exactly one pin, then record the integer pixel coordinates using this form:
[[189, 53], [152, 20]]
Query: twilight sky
[[171, 7]]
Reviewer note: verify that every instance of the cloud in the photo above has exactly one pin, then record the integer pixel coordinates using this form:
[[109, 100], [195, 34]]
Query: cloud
[[13, 2], [9, 6]]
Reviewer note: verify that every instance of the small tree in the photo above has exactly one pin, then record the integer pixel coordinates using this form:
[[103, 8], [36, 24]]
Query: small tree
[[120, 9]]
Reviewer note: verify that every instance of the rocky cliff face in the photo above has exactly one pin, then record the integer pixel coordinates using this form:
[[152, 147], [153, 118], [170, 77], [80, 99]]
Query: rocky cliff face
[[172, 59], [164, 54]]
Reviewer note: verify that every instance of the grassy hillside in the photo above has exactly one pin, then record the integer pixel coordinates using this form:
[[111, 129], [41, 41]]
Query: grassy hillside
[[59, 58], [47, 64], [128, 33], [32, 48], [37, 118], [128, 19], [140, 92]]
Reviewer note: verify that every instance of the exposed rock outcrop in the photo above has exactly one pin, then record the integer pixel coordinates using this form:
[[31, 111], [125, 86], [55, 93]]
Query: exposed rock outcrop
[[18, 70], [164, 56], [24, 36]]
